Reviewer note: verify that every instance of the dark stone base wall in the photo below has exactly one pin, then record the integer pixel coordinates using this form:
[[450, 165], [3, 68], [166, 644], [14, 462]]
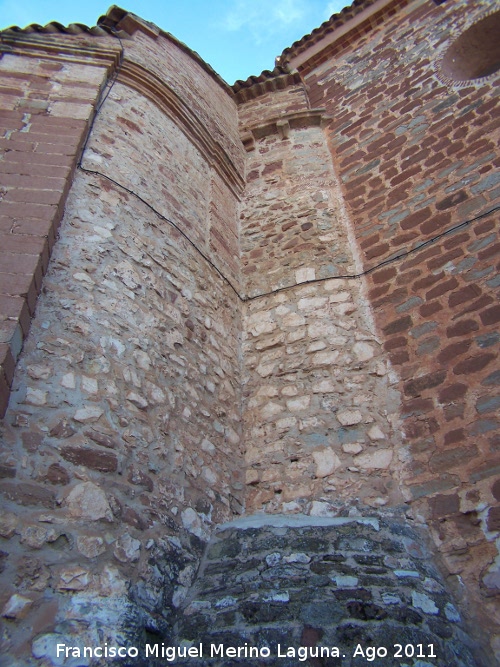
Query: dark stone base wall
[[290, 582]]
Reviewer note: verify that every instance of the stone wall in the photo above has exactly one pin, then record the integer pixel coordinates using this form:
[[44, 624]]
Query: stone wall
[[121, 447], [321, 406], [205, 344], [416, 154]]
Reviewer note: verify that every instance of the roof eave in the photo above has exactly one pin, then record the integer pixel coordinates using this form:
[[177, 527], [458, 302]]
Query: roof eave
[[306, 53]]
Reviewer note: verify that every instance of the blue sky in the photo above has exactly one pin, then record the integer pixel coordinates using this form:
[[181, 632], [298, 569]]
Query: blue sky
[[237, 37]]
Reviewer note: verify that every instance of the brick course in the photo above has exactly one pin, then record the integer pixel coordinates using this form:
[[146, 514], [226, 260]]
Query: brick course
[[39, 158]]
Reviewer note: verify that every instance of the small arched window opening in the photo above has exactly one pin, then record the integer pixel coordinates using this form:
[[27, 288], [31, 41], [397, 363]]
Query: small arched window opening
[[476, 53]]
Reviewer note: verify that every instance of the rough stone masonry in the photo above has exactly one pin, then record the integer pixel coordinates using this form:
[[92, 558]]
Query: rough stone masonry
[[249, 345]]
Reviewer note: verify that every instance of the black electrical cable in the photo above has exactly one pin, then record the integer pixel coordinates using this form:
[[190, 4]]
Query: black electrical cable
[[108, 88], [352, 276], [348, 276]]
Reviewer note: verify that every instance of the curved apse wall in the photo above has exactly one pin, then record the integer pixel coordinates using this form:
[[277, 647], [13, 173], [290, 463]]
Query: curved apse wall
[[122, 438]]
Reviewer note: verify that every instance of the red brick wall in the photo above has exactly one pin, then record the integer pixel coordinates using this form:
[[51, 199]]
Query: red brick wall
[[45, 107], [417, 157]]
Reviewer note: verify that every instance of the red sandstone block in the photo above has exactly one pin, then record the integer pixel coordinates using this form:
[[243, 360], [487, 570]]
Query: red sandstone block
[[51, 139], [7, 145], [428, 309], [436, 224], [404, 239], [491, 251], [444, 259], [28, 169], [358, 191], [346, 145], [436, 160], [394, 343], [28, 196], [441, 288], [453, 350], [33, 182], [399, 358], [457, 435], [444, 505], [377, 251], [416, 386], [482, 302], [451, 458], [395, 297], [18, 211], [464, 294], [58, 148], [406, 174], [352, 159], [408, 276], [459, 239], [33, 227], [15, 307], [6, 224], [428, 280], [16, 157], [484, 227], [452, 393], [417, 406], [415, 219], [27, 494], [494, 519], [9, 126], [462, 328], [490, 315], [58, 124], [19, 263], [473, 364], [452, 200], [375, 292], [20, 284], [398, 326], [419, 257], [6, 114], [383, 275]]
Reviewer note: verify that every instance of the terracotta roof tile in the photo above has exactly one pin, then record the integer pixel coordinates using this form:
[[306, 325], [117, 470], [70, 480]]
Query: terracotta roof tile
[[334, 22], [282, 68], [58, 28]]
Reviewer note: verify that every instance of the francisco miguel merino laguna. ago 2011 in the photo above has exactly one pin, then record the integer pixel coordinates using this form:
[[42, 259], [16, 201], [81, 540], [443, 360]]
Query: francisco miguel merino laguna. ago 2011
[[301, 653]]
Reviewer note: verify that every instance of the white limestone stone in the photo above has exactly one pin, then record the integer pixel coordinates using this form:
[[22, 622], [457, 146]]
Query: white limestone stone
[[326, 462], [127, 549], [325, 358], [17, 606], [363, 351], [90, 413], [380, 459], [88, 501], [36, 396], [424, 602], [352, 448], [299, 403], [349, 417], [90, 546], [304, 274]]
